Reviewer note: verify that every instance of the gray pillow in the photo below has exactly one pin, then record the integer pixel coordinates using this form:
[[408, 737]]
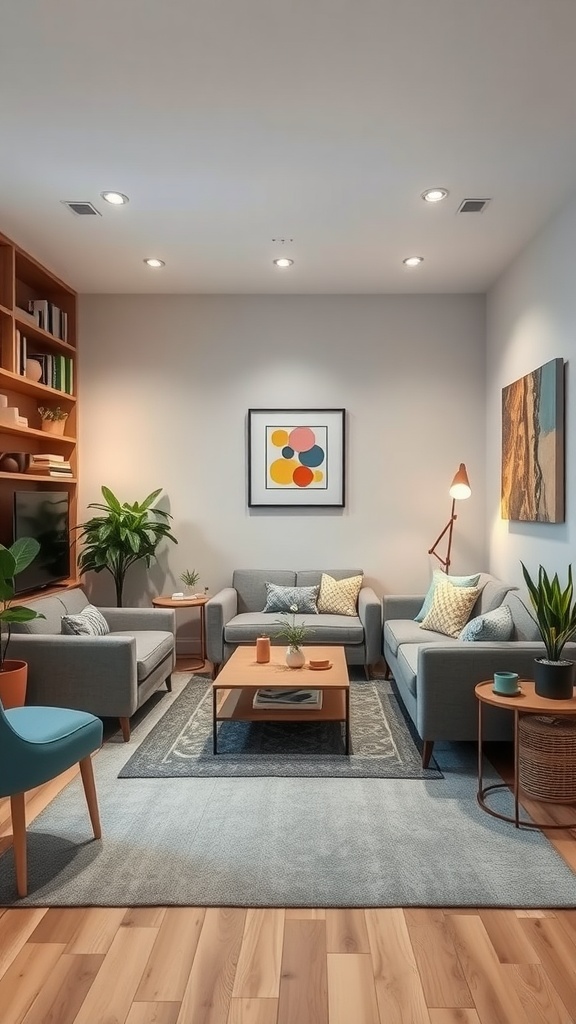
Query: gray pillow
[[281, 599], [494, 625], [88, 622]]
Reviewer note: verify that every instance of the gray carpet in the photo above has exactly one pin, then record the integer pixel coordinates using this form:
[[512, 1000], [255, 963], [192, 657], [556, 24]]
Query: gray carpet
[[180, 745], [284, 842]]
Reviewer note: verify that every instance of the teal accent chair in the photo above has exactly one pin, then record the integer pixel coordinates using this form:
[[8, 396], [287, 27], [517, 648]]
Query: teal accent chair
[[36, 745]]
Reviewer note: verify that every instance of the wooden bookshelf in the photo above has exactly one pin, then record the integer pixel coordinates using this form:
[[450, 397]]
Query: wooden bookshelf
[[51, 333]]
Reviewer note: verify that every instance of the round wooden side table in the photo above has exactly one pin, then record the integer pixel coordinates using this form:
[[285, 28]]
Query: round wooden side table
[[189, 602], [526, 703]]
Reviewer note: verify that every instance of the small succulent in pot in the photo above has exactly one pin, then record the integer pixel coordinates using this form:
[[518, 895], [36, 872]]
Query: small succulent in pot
[[294, 633], [189, 578], [49, 413]]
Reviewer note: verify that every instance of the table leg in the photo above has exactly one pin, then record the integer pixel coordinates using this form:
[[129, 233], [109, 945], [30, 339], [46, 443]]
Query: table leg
[[480, 779], [516, 770], [203, 633], [347, 724], [214, 721]]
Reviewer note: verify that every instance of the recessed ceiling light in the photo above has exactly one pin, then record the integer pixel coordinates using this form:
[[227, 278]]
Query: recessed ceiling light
[[151, 261], [115, 198], [434, 195], [413, 261], [283, 263]]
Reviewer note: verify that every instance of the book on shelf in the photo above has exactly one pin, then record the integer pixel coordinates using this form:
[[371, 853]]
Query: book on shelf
[[48, 457], [26, 314], [273, 697]]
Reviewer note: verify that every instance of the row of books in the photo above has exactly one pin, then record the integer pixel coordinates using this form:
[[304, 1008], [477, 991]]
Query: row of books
[[49, 317], [57, 370], [272, 697], [50, 465]]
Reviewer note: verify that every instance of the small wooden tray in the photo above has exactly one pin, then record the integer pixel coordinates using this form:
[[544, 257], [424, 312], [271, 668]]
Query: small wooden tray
[[319, 668]]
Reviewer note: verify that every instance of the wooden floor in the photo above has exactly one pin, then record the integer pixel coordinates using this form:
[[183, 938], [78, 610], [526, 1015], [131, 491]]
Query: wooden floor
[[155, 965]]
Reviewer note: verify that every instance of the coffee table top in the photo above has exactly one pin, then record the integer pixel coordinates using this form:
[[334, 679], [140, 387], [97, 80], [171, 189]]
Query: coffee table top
[[527, 700], [242, 670]]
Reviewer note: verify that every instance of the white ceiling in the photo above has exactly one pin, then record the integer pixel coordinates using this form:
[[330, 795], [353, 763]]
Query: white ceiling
[[232, 122]]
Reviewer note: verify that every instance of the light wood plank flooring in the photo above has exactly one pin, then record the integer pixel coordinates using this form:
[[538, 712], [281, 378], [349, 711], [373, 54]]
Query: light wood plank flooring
[[157, 965]]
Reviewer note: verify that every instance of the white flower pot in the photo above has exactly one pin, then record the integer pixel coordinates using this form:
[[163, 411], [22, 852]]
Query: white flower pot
[[295, 657]]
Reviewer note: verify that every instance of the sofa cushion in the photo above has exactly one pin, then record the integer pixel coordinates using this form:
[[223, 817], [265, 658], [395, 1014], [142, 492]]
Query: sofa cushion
[[408, 666], [437, 576], [339, 597], [52, 609], [89, 622], [451, 607], [492, 594], [282, 599], [525, 629], [407, 631], [250, 586], [494, 625], [74, 600], [153, 646], [324, 629]]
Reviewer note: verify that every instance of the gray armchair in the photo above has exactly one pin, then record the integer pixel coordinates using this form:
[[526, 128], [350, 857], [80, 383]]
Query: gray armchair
[[109, 675]]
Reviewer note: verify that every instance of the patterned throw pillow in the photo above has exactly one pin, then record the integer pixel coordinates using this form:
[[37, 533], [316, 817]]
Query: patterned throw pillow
[[437, 577], [495, 625], [339, 597], [89, 622], [450, 609], [281, 599]]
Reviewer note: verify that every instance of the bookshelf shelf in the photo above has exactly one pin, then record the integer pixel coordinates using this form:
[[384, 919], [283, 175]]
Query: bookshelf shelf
[[32, 299]]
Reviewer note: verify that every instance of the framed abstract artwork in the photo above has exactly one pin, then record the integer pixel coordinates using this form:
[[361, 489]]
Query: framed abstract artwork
[[533, 446], [296, 457]]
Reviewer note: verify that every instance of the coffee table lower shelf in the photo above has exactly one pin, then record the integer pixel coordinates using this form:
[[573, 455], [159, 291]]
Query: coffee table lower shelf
[[237, 706]]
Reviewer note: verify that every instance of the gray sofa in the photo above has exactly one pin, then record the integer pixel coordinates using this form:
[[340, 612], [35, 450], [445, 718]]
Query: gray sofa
[[234, 616], [436, 675], [109, 675]]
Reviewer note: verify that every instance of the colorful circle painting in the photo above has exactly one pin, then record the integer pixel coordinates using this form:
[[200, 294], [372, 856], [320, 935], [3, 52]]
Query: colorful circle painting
[[296, 457]]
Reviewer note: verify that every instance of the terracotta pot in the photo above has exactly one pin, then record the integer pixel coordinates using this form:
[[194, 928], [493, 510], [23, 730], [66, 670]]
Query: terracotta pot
[[53, 426], [295, 657], [13, 680]]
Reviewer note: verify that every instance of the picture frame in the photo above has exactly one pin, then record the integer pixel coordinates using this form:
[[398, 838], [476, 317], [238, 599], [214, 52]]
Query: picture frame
[[296, 458], [532, 486]]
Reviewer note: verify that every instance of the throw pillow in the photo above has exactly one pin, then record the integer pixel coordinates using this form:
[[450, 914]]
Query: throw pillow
[[339, 597], [450, 609], [456, 581], [281, 599], [495, 625], [89, 622]]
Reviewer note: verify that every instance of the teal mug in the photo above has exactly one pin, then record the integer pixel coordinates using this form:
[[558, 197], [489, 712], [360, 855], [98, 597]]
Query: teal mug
[[506, 683]]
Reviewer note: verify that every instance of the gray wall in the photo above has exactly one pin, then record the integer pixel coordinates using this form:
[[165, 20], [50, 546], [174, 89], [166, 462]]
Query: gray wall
[[166, 382]]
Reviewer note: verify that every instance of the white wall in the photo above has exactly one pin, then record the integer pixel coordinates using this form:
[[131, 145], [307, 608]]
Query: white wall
[[166, 382], [531, 318]]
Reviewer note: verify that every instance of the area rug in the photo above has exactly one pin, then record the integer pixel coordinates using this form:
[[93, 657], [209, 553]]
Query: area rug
[[180, 745], [284, 842]]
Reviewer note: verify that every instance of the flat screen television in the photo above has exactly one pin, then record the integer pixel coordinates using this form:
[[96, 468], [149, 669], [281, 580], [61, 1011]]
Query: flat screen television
[[45, 516]]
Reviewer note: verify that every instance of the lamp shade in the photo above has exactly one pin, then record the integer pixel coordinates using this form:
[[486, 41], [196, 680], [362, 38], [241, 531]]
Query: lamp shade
[[460, 486]]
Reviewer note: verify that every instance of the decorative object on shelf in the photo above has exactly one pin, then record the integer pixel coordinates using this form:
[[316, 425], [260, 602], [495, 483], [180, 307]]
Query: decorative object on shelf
[[14, 462], [296, 457], [123, 535], [14, 674], [533, 446], [295, 633], [190, 578], [263, 650], [33, 370], [459, 490], [53, 419], [555, 616], [10, 415]]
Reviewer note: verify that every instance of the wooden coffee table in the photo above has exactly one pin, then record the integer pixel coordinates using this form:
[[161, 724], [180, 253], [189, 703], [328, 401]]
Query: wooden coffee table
[[242, 675]]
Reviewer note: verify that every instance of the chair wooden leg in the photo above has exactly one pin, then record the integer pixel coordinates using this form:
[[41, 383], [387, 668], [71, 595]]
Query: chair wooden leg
[[125, 726], [427, 747], [18, 812], [169, 684], [386, 670], [90, 791]]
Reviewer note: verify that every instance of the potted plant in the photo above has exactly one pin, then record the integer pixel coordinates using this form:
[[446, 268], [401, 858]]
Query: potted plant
[[53, 420], [190, 578], [295, 633], [123, 535], [14, 674], [555, 616]]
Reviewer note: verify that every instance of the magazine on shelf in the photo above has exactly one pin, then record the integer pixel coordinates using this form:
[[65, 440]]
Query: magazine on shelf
[[273, 697]]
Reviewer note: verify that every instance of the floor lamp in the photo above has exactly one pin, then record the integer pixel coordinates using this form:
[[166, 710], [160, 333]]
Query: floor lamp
[[459, 489]]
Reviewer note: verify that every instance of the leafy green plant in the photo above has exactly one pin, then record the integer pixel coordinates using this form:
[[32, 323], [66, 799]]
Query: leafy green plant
[[48, 413], [123, 535], [189, 577], [12, 561], [555, 610], [295, 633]]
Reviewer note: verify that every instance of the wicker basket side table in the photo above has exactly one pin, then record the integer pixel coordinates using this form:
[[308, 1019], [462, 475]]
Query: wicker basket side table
[[547, 757]]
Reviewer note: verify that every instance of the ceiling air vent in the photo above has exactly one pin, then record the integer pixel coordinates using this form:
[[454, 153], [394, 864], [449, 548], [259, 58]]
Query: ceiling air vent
[[82, 209], [473, 205]]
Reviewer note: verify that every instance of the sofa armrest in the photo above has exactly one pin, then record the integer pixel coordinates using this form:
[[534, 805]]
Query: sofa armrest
[[401, 606], [87, 673], [219, 610], [137, 619], [370, 614]]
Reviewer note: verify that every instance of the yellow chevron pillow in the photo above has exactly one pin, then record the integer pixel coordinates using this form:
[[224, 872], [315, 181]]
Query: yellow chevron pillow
[[451, 607], [339, 597]]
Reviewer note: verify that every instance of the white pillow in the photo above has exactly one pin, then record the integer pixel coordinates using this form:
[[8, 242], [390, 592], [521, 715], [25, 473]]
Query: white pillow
[[450, 609], [88, 622]]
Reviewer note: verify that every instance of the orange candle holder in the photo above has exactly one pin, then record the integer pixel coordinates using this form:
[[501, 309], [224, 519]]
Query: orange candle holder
[[263, 649]]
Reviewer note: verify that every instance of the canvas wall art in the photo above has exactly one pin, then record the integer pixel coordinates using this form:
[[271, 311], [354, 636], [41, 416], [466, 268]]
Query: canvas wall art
[[533, 446], [296, 457]]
